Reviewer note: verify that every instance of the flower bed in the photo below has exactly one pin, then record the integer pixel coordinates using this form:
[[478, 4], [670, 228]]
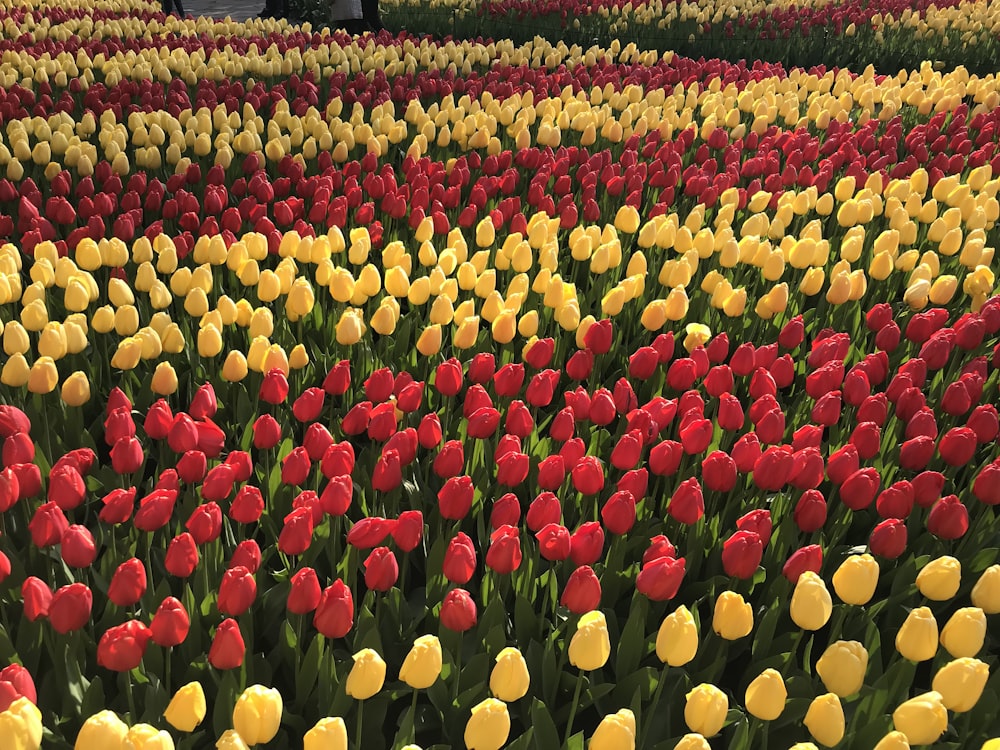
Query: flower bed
[[467, 394]]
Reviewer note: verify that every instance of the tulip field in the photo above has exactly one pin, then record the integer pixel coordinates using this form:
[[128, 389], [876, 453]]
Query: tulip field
[[421, 392]]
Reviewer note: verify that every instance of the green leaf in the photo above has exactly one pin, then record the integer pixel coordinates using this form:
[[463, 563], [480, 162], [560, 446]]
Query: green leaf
[[546, 735], [632, 643], [305, 680]]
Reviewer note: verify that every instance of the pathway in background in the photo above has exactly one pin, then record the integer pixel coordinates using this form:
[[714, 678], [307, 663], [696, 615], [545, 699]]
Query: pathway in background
[[240, 10]]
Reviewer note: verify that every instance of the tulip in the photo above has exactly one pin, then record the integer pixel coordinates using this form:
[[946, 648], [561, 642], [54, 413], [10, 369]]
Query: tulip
[[922, 719], [939, 579], [231, 740], [893, 741], [488, 727], [187, 708], [733, 618], [766, 695], [811, 605], [986, 593], [121, 648], [257, 714], [509, 680], [842, 667], [103, 729], [327, 734], [367, 676], [590, 646], [21, 725], [43, 376], [422, 665], [458, 611], [825, 719], [228, 649], [677, 638], [76, 389], [856, 578], [615, 732], [965, 632], [705, 710], [917, 639], [147, 737]]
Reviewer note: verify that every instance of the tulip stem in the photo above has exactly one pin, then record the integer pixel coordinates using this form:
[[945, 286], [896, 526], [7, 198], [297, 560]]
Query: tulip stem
[[413, 716], [458, 668], [359, 725], [573, 706], [133, 716], [166, 669], [648, 720]]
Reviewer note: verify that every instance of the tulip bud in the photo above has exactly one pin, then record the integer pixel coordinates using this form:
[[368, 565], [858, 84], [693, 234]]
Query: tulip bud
[[43, 376], [231, 740], [422, 665], [939, 579], [893, 741], [590, 646], [164, 380], [766, 695], [856, 578], [234, 369], [733, 618], [705, 710], [922, 719], [917, 639], [509, 679], [257, 714], [825, 720], [367, 675], [76, 389], [103, 729], [986, 592], [615, 732], [693, 741], [677, 639], [811, 604], [187, 708], [327, 734], [488, 727], [842, 667], [965, 632], [961, 683]]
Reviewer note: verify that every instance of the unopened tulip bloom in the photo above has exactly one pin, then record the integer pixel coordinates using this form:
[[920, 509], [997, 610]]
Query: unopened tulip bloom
[[422, 665], [986, 592], [965, 632], [187, 708], [825, 719], [257, 714], [733, 618], [488, 727], [21, 725], [842, 667], [693, 741], [922, 719], [615, 732], [961, 683], [766, 695], [231, 740], [147, 737], [811, 603], [917, 638], [367, 675], [76, 389], [328, 734], [893, 741], [939, 579], [43, 376], [705, 710], [104, 730], [856, 578], [677, 639], [590, 646], [509, 680]]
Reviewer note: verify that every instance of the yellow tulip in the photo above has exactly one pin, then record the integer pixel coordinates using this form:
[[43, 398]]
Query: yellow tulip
[[627, 220], [187, 708], [856, 578], [965, 632], [52, 341], [615, 732], [677, 638], [209, 341], [429, 342], [922, 719], [328, 734], [103, 730], [893, 741], [504, 327], [917, 639], [939, 579], [43, 376], [350, 327], [488, 727], [766, 695], [164, 380], [811, 605], [696, 334], [257, 714], [693, 741], [590, 646], [76, 389], [367, 676], [147, 737], [422, 665], [298, 357], [733, 618], [15, 371], [825, 719], [16, 341], [509, 680], [961, 683], [21, 725], [842, 667], [231, 740], [705, 710]]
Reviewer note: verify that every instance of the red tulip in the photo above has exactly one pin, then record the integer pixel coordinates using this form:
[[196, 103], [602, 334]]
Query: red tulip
[[895, 501], [504, 553], [455, 498], [305, 592], [16, 682], [842, 464], [158, 420], [643, 363], [805, 559], [127, 456], [338, 460], [296, 533], [338, 379], [47, 525], [587, 543], [949, 518], [719, 471], [382, 422], [77, 547], [170, 625], [429, 433], [381, 569], [247, 554], [70, 608], [859, 490], [205, 523], [182, 556], [274, 387], [356, 420], [122, 647], [507, 381], [448, 378], [582, 592], [810, 511], [482, 367], [741, 554], [888, 539], [599, 337], [661, 578], [334, 615], [379, 385], [66, 487], [10, 489], [506, 511], [958, 446], [228, 649], [409, 530], [388, 472], [118, 424], [985, 422], [687, 505], [588, 476], [183, 434], [512, 469], [746, 452], [759, 522], [458, 611], [369, 533], [247, 506], [266, 432], [155, 510], [544, 509], [309, 405], [237, 591], [618, 512], [915, 454], [128, 583]]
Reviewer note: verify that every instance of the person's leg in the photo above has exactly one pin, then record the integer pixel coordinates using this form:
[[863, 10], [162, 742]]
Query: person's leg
[[371, 14]]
